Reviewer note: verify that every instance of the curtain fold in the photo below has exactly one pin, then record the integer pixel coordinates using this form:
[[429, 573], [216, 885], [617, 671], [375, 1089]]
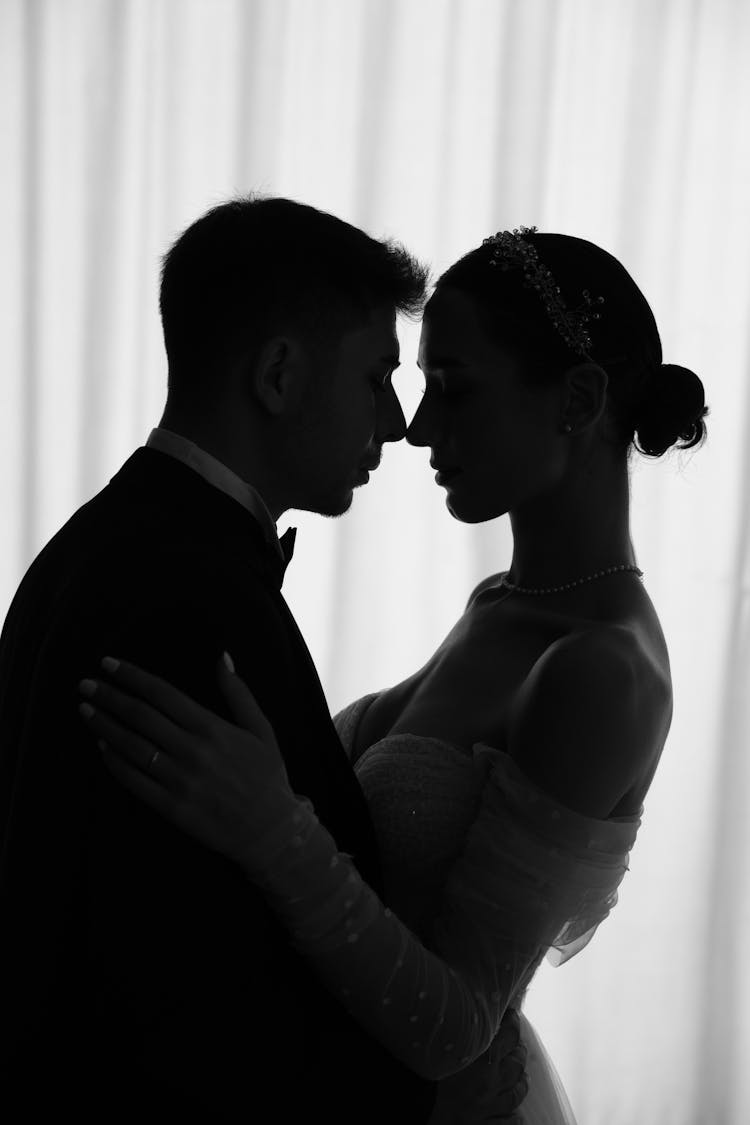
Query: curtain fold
[[436, 122]]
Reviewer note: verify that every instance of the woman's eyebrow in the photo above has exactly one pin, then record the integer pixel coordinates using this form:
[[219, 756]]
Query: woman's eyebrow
[[441, 363]]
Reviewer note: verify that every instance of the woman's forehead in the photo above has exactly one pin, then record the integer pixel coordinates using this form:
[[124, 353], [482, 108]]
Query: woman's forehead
[[451, 328]]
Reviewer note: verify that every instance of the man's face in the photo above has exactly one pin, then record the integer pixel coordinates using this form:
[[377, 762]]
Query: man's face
[[353, 410]]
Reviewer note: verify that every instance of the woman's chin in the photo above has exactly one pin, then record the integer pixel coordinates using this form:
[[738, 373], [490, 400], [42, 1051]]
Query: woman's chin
[[463, 510]]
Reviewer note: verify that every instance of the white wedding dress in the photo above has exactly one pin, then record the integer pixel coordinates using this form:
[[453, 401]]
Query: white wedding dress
[[423, 795], [484, 874]]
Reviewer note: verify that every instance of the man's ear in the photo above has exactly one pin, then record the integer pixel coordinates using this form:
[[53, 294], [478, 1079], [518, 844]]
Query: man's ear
[[276, 375], [585, 397]]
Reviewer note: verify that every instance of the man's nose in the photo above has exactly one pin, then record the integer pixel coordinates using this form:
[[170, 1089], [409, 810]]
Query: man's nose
[[393, 423]]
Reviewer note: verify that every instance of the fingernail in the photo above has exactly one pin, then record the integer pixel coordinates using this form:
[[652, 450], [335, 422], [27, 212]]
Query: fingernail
[[110, 663], [87, 687], [86, 710], [228, 661]]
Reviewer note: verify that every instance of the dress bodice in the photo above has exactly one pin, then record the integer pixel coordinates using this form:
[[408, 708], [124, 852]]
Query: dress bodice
[[487, 872], [424, 795]]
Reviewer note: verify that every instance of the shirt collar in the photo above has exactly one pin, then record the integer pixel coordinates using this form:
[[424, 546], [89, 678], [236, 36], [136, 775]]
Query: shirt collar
[[219, 475]]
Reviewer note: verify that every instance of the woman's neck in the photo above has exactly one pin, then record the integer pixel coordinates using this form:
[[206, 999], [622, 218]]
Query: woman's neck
[[574, 531]]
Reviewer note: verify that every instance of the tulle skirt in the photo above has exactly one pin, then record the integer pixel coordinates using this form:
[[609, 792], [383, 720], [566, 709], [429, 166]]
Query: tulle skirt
[[466, 1098], [546, 1102]]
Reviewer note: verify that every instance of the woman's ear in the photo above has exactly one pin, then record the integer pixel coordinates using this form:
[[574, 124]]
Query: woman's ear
[[585, 398]]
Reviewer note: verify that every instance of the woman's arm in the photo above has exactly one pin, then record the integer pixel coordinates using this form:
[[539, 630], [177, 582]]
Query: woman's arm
[[435, 1013], [229, 789], [529, 867]]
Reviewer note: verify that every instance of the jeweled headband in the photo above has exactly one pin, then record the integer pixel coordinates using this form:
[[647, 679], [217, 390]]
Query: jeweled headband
[[511, 250]]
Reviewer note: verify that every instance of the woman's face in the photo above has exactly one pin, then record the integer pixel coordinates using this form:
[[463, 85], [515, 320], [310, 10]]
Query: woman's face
[[500, 438]]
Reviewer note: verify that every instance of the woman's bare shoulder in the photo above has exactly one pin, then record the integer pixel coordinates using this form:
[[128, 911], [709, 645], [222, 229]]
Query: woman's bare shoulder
[[589, 717], [485, 584]]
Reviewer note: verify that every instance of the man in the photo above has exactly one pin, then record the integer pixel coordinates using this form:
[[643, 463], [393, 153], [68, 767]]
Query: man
[[145, 979]]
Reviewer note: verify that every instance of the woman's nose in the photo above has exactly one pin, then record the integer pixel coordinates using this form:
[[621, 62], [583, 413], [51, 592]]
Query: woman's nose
[[419, 431]]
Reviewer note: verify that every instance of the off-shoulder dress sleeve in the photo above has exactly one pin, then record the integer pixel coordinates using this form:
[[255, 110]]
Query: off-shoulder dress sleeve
[[534, 877], [532, 870]]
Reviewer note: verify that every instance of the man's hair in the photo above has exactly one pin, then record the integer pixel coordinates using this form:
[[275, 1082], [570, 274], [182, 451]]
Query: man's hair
[[256, 266]]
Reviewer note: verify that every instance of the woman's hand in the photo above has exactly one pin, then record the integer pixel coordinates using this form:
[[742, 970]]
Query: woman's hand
[[223, 783], [493, 1087]]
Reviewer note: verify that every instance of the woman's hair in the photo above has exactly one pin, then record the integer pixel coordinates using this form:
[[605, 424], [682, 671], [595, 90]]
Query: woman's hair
[[662, 404], [255, 265]]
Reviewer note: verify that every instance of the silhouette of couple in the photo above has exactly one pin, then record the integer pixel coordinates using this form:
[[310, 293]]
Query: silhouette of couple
[[220, 904]]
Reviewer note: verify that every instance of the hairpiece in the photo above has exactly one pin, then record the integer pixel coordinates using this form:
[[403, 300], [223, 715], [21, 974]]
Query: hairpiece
[[511, 250]]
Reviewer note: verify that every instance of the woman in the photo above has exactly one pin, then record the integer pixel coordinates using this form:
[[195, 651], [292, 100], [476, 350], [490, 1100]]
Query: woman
[[506, 778]]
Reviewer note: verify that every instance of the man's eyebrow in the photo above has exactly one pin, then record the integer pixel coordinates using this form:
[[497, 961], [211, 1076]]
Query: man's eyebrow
[[393, 361]]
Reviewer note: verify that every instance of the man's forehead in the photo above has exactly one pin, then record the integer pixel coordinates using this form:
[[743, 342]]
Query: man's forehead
[[386, 344], [375, 339], [381, 331]]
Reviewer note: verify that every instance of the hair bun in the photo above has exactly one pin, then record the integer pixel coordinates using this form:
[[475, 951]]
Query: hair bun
[[672, 409]]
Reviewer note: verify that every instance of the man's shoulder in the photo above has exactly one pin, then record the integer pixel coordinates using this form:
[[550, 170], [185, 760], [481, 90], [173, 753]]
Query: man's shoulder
[[114, 581]]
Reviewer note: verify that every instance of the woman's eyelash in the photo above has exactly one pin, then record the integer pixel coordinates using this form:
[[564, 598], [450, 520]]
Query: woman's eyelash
[[450, 392]]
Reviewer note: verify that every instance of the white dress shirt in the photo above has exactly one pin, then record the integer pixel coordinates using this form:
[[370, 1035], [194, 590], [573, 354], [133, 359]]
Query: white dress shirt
[[217, 474]]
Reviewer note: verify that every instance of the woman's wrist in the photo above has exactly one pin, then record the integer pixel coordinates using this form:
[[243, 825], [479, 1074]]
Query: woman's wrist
[[308, 882], [279, 835]]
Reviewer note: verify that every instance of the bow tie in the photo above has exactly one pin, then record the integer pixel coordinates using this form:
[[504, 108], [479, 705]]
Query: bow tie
[[286, 542], [277, 559]]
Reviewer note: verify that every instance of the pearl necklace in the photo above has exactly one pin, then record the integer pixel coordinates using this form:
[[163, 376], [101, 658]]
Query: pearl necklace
[[568, 585]]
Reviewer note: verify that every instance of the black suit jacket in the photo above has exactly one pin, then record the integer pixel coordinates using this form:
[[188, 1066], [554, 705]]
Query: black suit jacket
[[143, 978]]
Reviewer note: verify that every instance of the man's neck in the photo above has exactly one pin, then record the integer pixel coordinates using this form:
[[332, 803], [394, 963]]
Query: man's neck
[[238, 455]]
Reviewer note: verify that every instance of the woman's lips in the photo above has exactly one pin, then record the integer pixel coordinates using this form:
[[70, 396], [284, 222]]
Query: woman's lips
[[445, 475]]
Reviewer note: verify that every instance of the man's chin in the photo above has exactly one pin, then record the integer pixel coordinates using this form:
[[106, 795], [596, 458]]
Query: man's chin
[[341, 508], [332, 505]]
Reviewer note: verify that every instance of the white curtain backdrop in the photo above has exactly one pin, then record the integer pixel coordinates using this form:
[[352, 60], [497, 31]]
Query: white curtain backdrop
[[437, 122]]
